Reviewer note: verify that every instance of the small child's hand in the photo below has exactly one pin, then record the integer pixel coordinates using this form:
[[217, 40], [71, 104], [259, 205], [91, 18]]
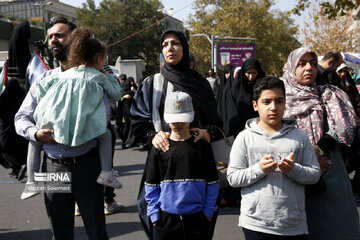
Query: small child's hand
[[44, 135], [287, 164], [267, 164]]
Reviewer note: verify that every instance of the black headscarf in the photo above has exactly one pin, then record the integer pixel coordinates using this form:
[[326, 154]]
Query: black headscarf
[[19, 52], [350, 89], [224, 81], [243, 89], [235, 105], [191, 82], [126, 86]]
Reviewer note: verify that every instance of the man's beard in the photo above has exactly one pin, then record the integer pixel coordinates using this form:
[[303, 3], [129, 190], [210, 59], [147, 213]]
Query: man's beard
[[61, 53]]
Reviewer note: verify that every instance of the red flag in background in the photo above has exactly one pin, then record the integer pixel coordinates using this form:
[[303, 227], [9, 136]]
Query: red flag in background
[[3, 77]]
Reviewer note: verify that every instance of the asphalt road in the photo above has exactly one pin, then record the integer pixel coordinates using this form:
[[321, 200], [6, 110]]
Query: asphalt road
[[27, 220]]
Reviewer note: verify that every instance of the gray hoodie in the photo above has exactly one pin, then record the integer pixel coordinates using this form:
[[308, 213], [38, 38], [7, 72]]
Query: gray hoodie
[[272, 203]]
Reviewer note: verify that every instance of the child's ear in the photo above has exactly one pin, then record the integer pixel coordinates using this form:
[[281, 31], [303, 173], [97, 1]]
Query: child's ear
[[254, 105]]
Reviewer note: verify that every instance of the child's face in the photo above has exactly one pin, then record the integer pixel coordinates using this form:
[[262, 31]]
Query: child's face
[[271, 106], [180, 127]]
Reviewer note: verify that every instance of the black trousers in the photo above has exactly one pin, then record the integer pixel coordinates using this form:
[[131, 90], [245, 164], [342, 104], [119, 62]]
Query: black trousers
[[182, 227], [86, 192], [254, 235], [124, 114]]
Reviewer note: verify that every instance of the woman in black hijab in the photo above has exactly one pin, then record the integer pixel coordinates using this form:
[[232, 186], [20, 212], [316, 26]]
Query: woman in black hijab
[[148, 107], [223, 99], [234, 105], [124, 105], [13, 147], [19, 52]]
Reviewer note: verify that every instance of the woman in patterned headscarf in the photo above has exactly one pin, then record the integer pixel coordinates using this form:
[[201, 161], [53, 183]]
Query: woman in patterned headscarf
[[326, 115]]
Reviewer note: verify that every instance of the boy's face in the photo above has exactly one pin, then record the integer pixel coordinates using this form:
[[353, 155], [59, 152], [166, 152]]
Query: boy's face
[[180, 127], [271, 107]]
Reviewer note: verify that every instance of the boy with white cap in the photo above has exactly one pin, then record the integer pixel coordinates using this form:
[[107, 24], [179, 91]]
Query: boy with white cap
[[182, 183]]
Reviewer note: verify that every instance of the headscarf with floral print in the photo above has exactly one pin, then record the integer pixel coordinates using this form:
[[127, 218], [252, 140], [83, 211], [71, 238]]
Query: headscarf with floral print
[[307, 103]]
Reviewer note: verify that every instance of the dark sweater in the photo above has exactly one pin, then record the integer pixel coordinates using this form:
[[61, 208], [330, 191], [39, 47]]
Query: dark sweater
[[183, 180]]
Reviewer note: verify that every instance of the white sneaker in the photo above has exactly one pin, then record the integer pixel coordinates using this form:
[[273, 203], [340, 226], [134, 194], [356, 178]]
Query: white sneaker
[[77, 210], [108, 178], [30, 190], [110, 208]]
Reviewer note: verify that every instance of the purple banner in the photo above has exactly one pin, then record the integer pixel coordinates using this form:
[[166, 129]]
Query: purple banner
[[234, 53]]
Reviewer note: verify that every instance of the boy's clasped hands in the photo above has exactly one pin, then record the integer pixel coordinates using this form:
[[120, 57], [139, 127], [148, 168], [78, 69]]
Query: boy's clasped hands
[[268, 164]]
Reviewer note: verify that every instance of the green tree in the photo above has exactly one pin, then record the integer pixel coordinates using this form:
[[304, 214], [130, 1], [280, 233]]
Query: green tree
[[116, 19], [330, 9], [274, 31]]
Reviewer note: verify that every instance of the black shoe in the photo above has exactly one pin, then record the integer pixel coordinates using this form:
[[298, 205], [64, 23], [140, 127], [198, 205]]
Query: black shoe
[[22, 172], [123, 146], [132, 145]]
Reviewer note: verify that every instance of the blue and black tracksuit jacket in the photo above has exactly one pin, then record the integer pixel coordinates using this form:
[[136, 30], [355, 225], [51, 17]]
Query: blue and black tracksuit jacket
[[183, 180]]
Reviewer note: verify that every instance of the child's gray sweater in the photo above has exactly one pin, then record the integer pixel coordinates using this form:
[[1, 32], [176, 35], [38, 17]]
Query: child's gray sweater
[[272, 203]]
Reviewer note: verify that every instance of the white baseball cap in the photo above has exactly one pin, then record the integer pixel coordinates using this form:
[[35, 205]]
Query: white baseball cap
[[178, 108]]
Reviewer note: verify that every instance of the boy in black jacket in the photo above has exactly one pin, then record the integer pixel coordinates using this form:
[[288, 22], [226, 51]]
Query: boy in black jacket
[[182, 183]]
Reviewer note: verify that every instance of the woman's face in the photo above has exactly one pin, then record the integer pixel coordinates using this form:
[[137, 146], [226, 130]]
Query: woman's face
[[251, 74], [342, 73], [172, 49], [306, 69], [227, 74]]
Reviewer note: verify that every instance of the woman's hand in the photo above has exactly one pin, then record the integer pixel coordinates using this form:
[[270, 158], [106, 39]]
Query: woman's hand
[[201, 134], [321, 159], [161, 141], [126, 96]]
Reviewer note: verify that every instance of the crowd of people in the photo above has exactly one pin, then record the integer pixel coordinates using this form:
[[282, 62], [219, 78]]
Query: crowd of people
[[296, 141]]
